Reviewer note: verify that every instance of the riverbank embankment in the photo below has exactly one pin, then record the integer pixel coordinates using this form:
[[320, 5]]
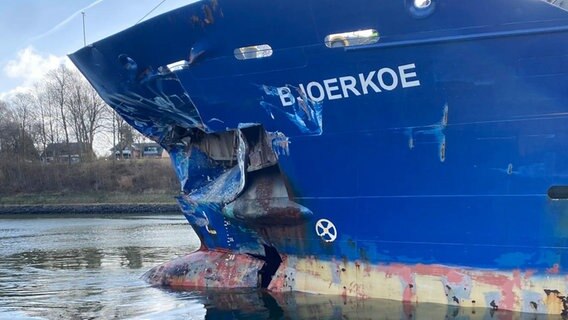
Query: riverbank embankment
[[106, 208], [98, 187], [89, 203]]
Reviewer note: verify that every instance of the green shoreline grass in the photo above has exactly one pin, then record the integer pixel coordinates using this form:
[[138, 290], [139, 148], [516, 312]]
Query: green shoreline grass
[[90, 198]]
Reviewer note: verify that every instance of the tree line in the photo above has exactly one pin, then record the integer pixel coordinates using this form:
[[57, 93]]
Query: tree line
[[62, 108]]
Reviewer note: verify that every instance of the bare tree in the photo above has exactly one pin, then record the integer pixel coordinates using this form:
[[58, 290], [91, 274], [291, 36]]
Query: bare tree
[[23, 108], [65, 108], [123, 135], [58, 83], [45, 119], [53, 130], [97, 113], [81, 111], [15, 129], [6, 118]]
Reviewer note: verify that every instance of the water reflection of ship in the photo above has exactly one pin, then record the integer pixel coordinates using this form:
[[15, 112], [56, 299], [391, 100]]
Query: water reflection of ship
[[260, 304]]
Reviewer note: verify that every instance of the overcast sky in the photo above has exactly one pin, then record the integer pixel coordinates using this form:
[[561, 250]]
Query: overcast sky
[[37, 35]]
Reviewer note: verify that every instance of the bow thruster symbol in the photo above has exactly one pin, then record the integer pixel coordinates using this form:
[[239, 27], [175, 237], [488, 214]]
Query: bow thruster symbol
[[326, 230]]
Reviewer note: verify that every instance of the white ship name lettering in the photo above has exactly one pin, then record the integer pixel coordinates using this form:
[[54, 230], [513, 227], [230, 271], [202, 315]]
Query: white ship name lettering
[[339, 88]]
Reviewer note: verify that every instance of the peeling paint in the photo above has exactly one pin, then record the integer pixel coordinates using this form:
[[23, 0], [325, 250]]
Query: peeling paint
[[556, 302], [305, 113], [535, 170], [554, 270], [435, 130], [423, 283], [280, 143], [210, 10], [207, 269]]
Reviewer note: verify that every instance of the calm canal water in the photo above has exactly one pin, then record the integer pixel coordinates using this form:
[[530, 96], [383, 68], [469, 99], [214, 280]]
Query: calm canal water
[[89, 268]]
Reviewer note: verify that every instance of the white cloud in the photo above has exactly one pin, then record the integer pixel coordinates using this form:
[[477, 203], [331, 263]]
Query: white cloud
[[13, 92], [29, 67]]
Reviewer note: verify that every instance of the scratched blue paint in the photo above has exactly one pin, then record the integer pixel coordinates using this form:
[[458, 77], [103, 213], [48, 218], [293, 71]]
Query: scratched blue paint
[[436, 131], [280, 143], [410, 175], [305, 113]]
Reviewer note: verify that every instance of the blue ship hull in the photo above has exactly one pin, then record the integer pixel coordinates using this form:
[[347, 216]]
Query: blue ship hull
[[429, 166]]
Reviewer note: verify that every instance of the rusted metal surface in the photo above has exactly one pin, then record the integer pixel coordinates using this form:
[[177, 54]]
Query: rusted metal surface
[[265, 201], [421, 283], [359, 281], [207, 269]]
